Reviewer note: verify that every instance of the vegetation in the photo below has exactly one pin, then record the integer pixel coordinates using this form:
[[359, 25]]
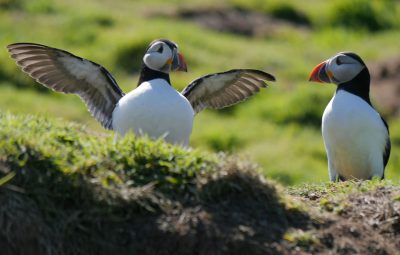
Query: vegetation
[[361, 14], [71, 188], [66, 190], [279, 128]]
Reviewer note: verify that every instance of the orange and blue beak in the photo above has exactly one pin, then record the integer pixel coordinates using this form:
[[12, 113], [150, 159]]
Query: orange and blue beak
[[319, 74], [178, 63]]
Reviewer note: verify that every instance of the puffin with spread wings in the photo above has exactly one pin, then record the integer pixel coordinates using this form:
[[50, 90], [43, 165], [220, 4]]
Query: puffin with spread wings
[[154, 108]]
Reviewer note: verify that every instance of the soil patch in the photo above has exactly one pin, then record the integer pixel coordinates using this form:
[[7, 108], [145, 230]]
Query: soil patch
[[233, 20], [367, 223]]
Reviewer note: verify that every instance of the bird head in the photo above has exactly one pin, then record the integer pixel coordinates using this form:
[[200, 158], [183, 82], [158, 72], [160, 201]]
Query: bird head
[[341, 68], [163, 55]]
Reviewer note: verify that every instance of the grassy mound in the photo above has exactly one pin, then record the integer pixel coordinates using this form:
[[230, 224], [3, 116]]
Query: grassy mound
[[75, 192], [65, 190]]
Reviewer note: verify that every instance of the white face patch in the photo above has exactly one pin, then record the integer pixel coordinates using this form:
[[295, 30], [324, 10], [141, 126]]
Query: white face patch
[[343, 68], [157, 56]]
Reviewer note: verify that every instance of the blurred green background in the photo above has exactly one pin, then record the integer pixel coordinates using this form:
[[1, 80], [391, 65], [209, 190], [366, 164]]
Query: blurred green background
[[280, 127]]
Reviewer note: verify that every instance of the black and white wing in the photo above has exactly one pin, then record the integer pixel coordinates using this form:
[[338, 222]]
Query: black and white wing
[[64, 72], [224, 89]]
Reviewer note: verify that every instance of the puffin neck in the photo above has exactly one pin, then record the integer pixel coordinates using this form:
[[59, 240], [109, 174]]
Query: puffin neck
[[358, 86], [148, 74]]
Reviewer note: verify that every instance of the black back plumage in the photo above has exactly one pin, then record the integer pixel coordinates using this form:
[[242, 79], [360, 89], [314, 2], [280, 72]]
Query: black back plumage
[[358, 86], [388, 147]]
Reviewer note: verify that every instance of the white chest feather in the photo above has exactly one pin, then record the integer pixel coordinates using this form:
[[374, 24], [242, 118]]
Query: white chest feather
[[157, 110], [354, 136]]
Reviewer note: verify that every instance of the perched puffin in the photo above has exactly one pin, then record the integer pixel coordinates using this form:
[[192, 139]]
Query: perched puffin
[[356, 137], [154, 108]]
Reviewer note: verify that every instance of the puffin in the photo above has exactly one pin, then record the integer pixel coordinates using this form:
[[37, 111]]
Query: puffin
[[154, 108], [356, 137]]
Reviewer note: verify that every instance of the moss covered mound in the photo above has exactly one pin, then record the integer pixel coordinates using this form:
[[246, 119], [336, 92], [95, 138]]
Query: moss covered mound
[[66, 190], [76, 192]]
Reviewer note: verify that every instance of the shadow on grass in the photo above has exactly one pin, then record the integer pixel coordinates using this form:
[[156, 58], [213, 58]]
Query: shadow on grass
[[46, 211]]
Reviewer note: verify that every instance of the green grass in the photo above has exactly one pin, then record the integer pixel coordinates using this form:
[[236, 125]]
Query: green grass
[[43, 144], [80, 192], [279, 128], [74, 189]]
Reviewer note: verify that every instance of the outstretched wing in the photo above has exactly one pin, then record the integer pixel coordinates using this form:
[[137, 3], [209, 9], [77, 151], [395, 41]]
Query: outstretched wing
[[64, 72], [224, 89]]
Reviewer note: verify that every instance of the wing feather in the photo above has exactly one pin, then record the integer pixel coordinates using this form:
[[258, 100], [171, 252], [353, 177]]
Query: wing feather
[[64, 72], [242, 87], [220, 90]]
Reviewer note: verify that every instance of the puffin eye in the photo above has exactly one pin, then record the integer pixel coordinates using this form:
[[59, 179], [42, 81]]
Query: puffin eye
[[338, 62], [160, 50]]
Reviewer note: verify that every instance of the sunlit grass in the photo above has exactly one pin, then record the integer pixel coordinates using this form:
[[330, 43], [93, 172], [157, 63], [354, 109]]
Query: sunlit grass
[[279, 128]]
